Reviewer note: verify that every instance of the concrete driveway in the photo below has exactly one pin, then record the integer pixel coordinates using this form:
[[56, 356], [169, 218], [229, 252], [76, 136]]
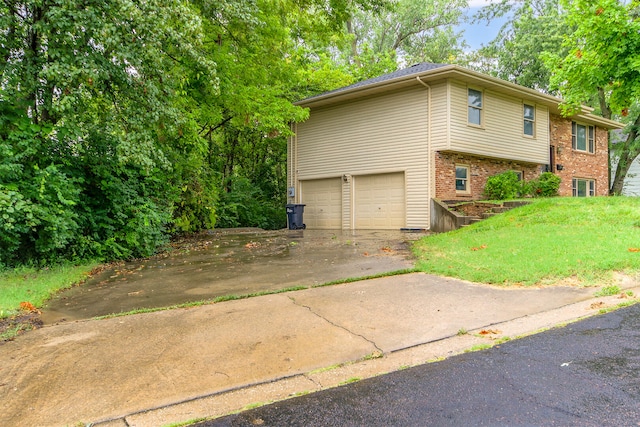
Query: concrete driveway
[[234, 262], [176, 365]]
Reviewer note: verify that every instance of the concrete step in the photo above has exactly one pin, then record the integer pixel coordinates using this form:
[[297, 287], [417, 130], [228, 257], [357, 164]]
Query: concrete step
[[488, 215]]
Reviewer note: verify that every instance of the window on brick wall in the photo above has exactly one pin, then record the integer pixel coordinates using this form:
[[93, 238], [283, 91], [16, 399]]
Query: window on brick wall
[[462, 179], [583, 187], [582, 137]]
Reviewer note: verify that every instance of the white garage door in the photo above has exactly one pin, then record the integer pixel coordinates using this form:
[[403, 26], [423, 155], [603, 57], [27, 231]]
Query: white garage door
[[379, 201], [323, 200]]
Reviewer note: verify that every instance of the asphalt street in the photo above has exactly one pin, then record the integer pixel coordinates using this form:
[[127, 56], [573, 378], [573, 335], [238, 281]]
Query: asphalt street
[[584, 374]]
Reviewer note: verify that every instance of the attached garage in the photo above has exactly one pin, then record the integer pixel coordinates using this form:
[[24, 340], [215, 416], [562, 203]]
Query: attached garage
[[364, 163], [323, 200], [379, 201]]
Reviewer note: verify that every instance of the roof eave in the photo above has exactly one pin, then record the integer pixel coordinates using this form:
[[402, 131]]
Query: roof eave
[[331, 97]]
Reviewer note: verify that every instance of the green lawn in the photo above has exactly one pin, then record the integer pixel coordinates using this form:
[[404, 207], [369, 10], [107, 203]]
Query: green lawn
[[575, 240], [35, 286]]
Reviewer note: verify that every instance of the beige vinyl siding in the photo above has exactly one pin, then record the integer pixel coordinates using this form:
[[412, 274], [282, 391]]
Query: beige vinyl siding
[[347, 195], [375, 135], [439, 116], [292, 156], [501, 134]]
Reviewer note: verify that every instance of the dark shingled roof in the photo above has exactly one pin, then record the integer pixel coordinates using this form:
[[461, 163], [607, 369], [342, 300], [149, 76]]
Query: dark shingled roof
[[414, 69]]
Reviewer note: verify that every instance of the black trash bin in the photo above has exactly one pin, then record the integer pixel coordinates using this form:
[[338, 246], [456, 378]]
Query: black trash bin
[[294, 216]]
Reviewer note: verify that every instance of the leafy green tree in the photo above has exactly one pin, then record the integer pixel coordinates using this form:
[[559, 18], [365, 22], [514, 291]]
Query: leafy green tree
[[268, 54], [89, 124], [532, 27], [603, 61], [124, 121], [409, 31]]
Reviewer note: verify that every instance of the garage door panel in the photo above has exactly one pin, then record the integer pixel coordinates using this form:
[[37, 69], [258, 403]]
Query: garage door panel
[[323, 200], [380, 201]]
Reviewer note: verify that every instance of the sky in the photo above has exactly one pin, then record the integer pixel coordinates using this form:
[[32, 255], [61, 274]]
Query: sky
[[480, 34]]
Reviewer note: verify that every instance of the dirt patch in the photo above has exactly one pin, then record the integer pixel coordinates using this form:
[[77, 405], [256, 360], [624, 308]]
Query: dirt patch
[[11, 327], [475, 208]]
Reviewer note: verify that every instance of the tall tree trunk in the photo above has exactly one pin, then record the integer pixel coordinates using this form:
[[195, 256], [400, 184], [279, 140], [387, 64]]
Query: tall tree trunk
[[628, 153], [354, 43]]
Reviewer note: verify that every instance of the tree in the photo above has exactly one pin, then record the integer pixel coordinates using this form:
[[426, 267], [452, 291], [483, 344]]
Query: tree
[[603, 61], [268, 55], [533, 27], [89, 124], [408, 31], [121, 121]]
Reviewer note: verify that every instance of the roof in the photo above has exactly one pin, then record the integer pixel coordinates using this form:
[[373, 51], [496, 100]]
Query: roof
[[425, 72], [415, 69]]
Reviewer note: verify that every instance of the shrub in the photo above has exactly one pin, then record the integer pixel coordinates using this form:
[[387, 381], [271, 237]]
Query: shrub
[[547, 185], [247, 206], [503, 186]]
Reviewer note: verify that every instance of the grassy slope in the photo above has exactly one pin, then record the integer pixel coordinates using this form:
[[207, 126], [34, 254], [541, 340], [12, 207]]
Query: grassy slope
[[36, 286], [584, 239]]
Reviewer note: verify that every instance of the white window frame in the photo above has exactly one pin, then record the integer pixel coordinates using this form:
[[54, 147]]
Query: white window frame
[[466, 180], [478, 108], [531, 120], [589, 137], [590, 187]]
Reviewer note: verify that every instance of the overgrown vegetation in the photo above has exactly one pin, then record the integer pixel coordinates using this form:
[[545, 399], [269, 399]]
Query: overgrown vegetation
[[506, 185], [567, 240]]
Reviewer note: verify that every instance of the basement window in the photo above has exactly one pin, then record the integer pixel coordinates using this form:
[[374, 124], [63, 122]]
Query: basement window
[[583, 187], [462, 179]]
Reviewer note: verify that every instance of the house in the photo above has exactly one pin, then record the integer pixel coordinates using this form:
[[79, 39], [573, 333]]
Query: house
[[372, 155]]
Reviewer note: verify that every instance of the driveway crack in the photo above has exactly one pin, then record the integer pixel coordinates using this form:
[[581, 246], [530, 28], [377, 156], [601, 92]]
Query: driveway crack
[[378, 349]]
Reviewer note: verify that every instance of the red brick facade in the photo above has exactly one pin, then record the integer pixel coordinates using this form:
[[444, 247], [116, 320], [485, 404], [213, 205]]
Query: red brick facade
[[480, 169], [576, 164]]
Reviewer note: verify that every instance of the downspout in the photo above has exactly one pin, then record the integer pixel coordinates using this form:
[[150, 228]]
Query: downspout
[[432, 172], [295, 164]]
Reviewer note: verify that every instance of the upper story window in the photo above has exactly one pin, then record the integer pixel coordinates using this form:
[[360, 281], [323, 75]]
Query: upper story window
[[582, 137], [475, 107], [529, 120]]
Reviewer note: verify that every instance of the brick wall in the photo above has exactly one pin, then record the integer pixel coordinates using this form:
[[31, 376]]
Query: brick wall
[[480, 169], [578, 164]]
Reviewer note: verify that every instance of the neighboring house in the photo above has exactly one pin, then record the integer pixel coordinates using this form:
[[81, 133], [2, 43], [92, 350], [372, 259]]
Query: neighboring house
[[372, 155], [631, 185]]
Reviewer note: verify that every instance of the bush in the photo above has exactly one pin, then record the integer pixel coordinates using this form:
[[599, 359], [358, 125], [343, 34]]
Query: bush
[[547, 185], [502, 186], [246, 206], [506, 185]]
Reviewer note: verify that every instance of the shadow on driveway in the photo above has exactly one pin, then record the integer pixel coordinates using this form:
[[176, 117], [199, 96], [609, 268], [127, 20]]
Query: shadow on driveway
[[234, 262]]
